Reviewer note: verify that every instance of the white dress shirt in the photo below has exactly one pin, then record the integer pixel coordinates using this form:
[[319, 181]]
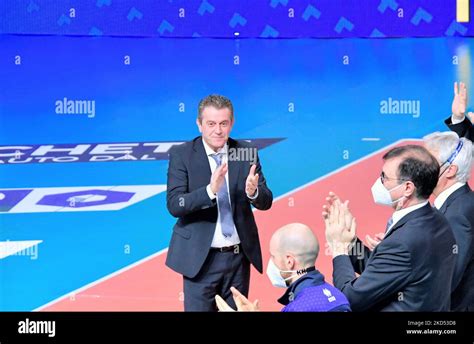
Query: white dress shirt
[[219, 240], [457, 121], [443, 196], [397, 215]]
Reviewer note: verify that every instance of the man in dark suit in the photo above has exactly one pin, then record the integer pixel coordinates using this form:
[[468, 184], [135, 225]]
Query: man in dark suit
[[455, 200], [458, 122], [412, 267], [213, 181]]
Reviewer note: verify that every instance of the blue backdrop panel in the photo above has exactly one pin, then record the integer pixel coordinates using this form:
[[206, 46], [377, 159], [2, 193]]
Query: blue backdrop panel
[[324, 102]]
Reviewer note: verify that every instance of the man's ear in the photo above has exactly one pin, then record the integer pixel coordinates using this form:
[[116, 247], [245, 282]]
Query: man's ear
[[290, 262], [410, 189], [451, 171], [198, 123]]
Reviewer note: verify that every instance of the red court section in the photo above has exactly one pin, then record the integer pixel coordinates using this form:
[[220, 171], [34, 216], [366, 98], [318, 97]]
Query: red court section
[[150, 286]]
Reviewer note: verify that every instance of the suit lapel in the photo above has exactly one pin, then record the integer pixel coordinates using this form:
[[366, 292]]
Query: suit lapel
[[201, 162], [444, 207], [234, 171], [414, 214], [461, 191]]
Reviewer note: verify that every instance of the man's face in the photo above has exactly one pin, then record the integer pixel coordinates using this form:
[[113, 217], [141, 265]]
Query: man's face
[[274, 252], [390, 179], [281, 261], [215, 126]]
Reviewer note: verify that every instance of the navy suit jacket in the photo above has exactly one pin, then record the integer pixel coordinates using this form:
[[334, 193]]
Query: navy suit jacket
[[459, 211], [410, 270], [188, 175], [463, 129]]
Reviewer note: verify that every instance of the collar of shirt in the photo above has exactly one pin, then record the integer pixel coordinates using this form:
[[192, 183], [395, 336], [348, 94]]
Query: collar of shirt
[[443, 196], [312, 278], [210, 151], [397, 216]]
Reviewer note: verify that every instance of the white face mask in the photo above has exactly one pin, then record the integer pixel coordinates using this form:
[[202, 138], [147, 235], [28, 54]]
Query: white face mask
[[382, 195], [275, 277]]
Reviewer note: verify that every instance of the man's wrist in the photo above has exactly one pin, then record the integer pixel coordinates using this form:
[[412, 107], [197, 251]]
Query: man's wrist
[[210, 193], [255, 195], [337, 253], [456, 119], [339, 248]]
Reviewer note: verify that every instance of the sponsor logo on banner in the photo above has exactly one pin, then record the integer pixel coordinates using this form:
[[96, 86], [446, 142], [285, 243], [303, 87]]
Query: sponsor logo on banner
[[67, 199], [97, 152]]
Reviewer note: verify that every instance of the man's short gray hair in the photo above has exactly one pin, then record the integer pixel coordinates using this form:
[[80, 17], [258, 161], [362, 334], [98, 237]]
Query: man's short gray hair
[[445, 144], [217, 101]]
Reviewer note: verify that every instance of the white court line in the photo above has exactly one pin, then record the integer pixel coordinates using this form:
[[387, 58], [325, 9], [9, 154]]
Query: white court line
[[166, 249]]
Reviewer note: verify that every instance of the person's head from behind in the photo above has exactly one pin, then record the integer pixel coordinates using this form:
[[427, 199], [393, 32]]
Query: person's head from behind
[[215, 120], [409, 176], [454, 156], [293, 248]]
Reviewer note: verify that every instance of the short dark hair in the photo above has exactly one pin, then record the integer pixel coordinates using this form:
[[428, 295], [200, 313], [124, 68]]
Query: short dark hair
[[217, 101], [417, 166]]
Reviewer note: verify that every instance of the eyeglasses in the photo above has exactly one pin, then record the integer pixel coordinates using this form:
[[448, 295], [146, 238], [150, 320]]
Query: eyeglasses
[[383, 178]]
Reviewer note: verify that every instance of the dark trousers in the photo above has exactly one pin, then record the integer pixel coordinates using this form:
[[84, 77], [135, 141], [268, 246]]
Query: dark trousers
[[220, 271]]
